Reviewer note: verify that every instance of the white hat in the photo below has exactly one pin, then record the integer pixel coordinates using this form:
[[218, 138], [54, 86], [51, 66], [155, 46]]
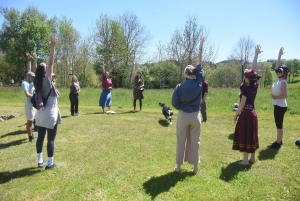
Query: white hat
[[30, 74]]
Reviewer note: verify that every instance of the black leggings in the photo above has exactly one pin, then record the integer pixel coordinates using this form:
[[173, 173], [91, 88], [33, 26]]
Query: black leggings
[[50, 137], [278, 115]]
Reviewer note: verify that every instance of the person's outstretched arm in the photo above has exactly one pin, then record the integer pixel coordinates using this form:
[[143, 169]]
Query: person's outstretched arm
[[29, 57], [199, 59], [71, 79], [279, 58], [34, 62], [103, 68], [257, 52], [52, 43]]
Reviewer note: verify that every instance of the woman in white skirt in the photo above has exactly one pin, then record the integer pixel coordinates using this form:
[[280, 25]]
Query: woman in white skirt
[[48, 115]]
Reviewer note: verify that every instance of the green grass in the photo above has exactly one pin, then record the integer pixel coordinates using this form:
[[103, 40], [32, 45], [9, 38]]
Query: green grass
[[130, 156]]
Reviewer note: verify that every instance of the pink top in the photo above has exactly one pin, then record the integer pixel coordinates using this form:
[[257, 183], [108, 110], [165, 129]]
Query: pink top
[[106, 82]]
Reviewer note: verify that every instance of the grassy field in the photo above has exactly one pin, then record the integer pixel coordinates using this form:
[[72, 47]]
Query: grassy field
[[130, 156]]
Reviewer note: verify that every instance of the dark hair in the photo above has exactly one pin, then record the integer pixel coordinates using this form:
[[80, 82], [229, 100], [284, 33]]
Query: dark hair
[[284, 70], [39, 76]]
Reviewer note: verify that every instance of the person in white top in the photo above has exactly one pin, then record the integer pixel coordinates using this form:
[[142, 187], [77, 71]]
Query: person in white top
[[279, 95]]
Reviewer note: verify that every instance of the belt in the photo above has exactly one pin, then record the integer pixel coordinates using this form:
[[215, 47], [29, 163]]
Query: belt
[[248, 107]]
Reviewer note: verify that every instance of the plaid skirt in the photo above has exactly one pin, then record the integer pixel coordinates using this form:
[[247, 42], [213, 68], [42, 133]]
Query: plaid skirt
[[246, 132]]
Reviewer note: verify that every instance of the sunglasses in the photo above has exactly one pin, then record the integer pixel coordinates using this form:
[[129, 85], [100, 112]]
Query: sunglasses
[[278, 70]]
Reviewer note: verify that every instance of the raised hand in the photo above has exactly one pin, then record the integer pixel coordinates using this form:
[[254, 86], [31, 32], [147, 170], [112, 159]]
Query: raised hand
[[258, 49], [281, 51], [28, 55], [201, 42], [52, 41]]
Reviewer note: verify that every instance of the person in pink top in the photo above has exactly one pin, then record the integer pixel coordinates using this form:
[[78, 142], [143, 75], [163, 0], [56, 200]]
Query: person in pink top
[[106, 97]]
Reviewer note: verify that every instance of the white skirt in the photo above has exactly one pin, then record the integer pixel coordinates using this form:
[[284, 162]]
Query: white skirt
[[50, 115]]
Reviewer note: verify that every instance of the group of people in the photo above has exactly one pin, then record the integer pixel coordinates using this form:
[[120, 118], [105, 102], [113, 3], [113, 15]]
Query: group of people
[[105, 99], [189, 98]]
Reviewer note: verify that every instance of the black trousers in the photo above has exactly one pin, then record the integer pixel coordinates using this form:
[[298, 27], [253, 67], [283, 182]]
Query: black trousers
[[278, 115], [74, 100]]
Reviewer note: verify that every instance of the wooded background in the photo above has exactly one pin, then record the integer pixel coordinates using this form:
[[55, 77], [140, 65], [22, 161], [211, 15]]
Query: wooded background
[[120, 42]]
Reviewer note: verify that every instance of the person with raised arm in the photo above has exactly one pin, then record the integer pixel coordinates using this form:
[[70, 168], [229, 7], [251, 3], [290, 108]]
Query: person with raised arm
[[279, 95], [246, 129], [186, 99], [28, 89], [48, 115], [107, 85]]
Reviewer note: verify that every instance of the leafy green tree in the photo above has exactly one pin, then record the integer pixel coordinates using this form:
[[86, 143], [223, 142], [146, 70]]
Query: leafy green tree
[[66, 51], [110, 46], [268, 80], [294, 65], [136, 37], [224, 77], [24, 32]]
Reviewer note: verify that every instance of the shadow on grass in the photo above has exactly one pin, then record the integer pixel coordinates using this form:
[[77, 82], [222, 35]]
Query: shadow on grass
[[164, 123], [229, 172], [231, 136], [8, 176], [13, 143], [267, 154], [19, 132], [64, 117], [156, 185], [94, 113]]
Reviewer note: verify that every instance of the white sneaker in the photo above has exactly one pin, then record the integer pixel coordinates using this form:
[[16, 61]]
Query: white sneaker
[[75, 114]]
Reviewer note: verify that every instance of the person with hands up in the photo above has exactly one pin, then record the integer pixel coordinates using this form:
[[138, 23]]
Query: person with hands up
[[105, 97], [279, 95], [28, 89], [186, 99], [246, 130], [48, 116]]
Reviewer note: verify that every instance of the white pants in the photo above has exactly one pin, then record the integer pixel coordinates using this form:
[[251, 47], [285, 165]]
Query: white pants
[[29, 111], [188, 137]]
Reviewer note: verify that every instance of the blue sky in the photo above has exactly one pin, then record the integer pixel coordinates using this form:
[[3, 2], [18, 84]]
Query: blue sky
[[270, 23]]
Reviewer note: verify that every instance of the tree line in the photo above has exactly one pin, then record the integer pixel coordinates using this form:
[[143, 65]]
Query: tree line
[[120, 42]]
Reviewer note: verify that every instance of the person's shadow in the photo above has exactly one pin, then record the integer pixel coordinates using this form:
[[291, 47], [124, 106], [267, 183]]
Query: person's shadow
[[229, 172], [13, 143], [163, 123], [156, 185], [267, 154], [8, 176], [19, 132]]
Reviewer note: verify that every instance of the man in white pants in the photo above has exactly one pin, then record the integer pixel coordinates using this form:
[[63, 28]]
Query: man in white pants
[[28, 88]]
